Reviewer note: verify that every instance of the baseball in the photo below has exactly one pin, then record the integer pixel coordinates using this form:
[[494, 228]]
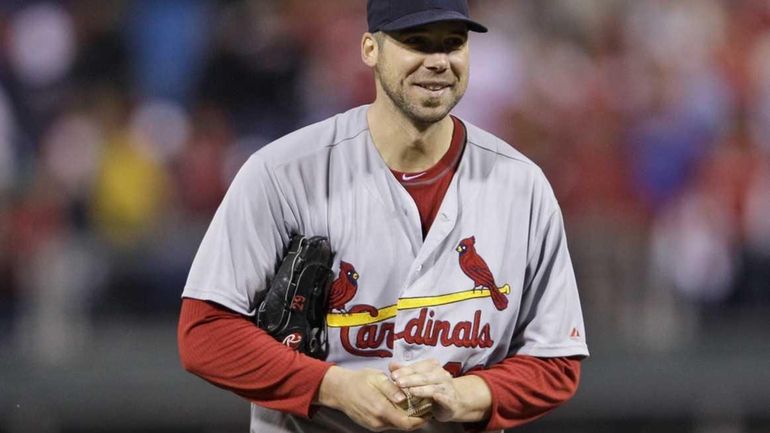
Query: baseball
[[416, 406]]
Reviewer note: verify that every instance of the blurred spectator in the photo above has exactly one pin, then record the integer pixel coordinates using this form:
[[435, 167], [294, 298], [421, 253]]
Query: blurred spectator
[[759, 100], [168, 39], [130, 191], [254, 68], [694, 247], [7, 135], [161, 128], [41, 47], [200, 165], [58, 284], [103, 58], [755, 280], [71, 151], [42, 44]]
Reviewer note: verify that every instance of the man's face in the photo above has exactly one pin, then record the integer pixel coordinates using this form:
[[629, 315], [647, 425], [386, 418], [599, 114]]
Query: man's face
[[424, 70]]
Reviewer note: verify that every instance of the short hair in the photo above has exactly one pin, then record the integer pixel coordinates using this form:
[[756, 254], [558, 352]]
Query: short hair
[[380, 38]]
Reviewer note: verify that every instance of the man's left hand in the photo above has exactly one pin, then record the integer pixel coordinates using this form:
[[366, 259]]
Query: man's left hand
[[427, 379]]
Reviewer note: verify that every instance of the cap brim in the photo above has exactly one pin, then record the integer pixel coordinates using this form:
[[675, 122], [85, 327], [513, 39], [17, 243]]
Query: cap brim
[[429, 17]]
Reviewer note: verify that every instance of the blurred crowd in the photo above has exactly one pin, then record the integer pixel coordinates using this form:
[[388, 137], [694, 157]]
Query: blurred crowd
[[123, 122]]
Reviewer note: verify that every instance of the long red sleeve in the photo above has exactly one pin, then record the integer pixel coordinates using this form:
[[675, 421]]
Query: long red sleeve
[[525, 388], [228, 350]]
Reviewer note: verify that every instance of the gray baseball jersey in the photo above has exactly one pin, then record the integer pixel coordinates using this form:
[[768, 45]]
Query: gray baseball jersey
[[492, 278]]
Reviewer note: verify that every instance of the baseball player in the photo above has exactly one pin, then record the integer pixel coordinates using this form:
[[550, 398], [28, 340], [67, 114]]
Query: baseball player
[[452, 280]]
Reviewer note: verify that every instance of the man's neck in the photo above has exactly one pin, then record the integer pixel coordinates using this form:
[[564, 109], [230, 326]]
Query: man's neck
[[404, 145]]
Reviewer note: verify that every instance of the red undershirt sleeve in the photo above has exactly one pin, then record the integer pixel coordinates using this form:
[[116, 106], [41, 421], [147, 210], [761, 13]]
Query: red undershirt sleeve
[[228, 350], [525, 388]]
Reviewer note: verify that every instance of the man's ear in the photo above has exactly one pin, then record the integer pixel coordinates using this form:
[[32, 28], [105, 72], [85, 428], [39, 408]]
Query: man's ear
[[370, 50]]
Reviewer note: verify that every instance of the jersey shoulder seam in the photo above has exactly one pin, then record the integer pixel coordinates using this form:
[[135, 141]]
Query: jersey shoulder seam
[[296, 141], [523, 160], [341, 140], [325, 147], [494, 144]]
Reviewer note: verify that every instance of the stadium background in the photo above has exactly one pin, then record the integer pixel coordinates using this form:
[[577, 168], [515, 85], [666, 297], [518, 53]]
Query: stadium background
[[122, 123]]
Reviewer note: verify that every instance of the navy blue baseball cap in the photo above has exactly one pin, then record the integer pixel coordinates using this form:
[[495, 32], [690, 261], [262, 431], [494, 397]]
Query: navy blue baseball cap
[[392, 15]]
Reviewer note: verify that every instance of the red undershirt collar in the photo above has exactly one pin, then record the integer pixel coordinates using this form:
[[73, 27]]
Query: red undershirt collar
[[445, 165]]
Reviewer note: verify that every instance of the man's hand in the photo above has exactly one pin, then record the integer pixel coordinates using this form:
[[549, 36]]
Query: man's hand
[[368, 397], [427, 379]]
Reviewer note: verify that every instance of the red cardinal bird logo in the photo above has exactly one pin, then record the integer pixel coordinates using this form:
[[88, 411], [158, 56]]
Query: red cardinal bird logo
[[343, 288], [477, 270]]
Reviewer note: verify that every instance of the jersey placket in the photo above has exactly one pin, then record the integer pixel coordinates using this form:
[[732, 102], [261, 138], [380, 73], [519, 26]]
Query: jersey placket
[[435, 239]]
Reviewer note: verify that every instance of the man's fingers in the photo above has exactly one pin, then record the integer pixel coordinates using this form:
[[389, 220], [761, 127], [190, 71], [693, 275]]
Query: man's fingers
[[389, 416], [421, 373], [406, 422], [415, 379], [438, 375], [389, 389], [426, 391], [442, 399], [413, 423], [423, 366]]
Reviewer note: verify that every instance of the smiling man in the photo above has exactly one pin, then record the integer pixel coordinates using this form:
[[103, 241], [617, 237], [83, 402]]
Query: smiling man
[[454, 288]]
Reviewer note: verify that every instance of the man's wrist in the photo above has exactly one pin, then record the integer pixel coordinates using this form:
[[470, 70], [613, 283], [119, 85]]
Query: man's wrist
[[327, 392], [475, 399]]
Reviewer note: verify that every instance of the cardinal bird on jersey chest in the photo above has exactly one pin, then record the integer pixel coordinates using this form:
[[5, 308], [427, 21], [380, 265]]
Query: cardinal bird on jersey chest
[[343, 288], [477, 270]]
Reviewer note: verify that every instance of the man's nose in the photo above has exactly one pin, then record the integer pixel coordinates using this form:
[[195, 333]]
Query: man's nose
[[437, 62]]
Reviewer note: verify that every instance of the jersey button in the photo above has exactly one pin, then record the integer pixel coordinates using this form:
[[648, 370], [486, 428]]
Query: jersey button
[[408, 356], [419, 267]]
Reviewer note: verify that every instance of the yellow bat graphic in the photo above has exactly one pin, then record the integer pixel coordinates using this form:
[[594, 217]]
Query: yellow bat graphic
[[338, 320]]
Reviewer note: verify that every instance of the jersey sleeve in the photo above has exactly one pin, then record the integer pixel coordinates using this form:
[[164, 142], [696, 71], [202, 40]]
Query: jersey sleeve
[[550, 321], [243, 243]]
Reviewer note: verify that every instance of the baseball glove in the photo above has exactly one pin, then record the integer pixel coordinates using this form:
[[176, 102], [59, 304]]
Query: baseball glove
[[294, 309]]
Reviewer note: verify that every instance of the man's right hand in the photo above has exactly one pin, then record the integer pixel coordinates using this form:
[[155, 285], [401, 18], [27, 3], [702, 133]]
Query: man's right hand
[[368, 397]]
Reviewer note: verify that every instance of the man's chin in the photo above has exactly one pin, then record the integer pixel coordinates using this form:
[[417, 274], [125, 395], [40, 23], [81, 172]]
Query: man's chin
[[429, 115], [434, 112]]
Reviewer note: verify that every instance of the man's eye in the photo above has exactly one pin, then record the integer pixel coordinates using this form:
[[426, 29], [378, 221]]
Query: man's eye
[[415, 41], [454, 43]]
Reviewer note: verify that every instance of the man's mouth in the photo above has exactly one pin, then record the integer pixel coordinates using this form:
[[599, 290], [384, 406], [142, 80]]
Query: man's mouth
[[434, 87]]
